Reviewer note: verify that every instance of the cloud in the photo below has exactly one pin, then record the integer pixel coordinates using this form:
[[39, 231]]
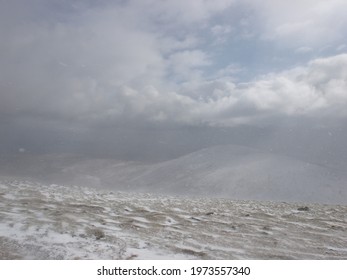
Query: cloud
[[303, 50], [296, 23], [184, 64], [183, 12], [221, 33], [319, 88], [133, 61]]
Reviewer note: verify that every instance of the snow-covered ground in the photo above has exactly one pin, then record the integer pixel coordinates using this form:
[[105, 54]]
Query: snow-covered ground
[[60, 222]]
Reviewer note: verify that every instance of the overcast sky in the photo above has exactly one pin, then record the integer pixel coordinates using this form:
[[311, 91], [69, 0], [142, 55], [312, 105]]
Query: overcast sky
[[103, 68]]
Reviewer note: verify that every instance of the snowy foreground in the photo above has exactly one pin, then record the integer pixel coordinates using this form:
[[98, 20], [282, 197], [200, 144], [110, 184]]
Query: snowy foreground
[[56, 222]]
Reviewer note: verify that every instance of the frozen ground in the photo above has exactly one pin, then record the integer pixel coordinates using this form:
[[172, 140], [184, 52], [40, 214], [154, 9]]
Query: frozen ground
[[57, 222]]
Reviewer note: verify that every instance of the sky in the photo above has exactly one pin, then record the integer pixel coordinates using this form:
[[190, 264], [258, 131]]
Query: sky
[[150, 78]]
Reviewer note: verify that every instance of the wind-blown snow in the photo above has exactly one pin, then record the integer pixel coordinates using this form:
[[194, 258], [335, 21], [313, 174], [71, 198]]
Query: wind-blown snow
[[228, 171], [58, 222]]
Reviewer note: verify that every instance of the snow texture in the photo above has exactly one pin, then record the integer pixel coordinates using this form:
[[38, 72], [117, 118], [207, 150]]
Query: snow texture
[[60, 222]]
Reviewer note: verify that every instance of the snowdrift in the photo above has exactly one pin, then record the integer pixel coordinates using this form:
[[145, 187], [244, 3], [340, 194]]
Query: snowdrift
[[59, 222]]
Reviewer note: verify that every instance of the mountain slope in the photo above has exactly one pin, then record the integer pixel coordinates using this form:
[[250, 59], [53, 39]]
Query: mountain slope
[[243, 173], [228, 171]]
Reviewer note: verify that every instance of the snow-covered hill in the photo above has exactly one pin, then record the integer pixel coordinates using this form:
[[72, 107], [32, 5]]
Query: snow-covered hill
[[57, 222], [241, 173], [228, 171]]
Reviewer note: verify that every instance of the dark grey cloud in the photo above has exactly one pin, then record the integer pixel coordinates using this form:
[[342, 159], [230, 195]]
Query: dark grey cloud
[[130, 77]]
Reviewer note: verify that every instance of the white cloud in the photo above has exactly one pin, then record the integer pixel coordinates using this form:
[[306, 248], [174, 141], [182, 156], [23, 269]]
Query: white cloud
[[186, 64], [320, 88], [305, 22]]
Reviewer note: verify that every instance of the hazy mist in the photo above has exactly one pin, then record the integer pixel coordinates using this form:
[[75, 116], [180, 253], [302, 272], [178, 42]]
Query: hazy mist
[[155, 82]]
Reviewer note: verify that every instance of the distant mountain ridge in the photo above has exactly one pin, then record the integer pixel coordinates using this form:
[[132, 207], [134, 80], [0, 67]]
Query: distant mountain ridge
[[229, 171], [243, 173]]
